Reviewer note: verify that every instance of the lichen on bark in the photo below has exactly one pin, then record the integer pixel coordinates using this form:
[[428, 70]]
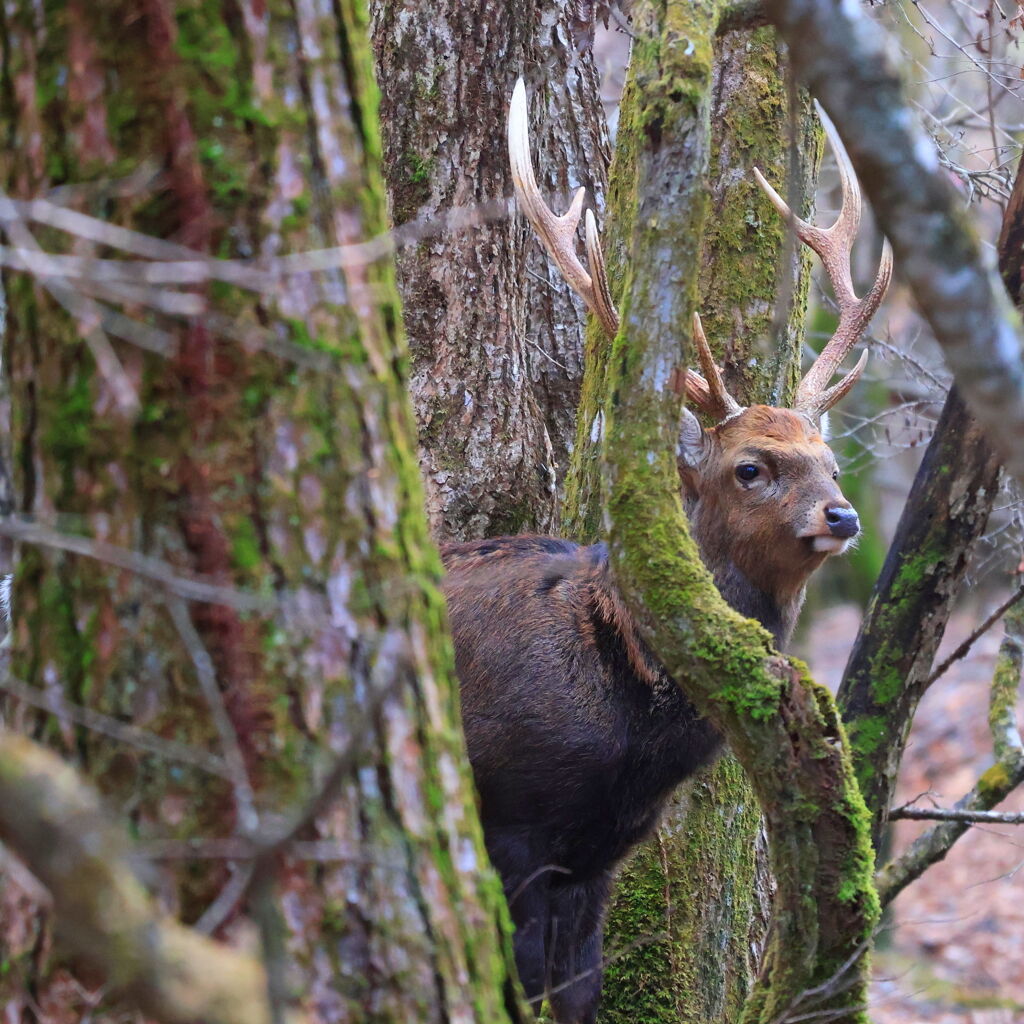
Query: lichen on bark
[[260, 469]]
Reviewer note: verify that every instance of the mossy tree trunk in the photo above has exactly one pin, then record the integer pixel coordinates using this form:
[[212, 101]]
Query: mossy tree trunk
[[699, 966], [687, 922], [279, 467], [496, 337], [783, 729]]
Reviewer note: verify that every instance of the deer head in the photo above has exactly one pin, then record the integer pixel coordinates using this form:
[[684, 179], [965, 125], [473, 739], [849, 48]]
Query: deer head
[[760, 483]]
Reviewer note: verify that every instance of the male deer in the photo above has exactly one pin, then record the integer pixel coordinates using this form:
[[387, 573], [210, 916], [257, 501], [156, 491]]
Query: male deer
[[575, 732]]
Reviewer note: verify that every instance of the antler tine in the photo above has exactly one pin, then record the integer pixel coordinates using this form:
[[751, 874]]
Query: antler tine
[[558, 234], [603, 307], [708, 393], [834, 245]]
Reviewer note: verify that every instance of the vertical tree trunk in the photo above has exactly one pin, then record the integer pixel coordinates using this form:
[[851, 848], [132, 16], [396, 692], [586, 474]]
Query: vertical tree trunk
[[280, 468], [495, 336], [688, 918], [783, 728]]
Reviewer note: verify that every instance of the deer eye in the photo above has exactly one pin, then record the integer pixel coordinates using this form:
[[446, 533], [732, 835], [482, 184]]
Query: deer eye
[[747, 471], [835, 474]]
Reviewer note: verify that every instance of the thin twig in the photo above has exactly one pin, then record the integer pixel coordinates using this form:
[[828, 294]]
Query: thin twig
[[964, 649], [227, 899], [122, 732], [90, 319], [643, 940], [155, 569], [245, 798]]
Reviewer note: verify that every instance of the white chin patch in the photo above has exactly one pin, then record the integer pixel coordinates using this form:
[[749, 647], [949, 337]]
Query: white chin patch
[[830, 545]]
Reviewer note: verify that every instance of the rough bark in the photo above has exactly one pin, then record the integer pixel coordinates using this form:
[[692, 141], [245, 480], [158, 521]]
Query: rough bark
[[688, 919], [290, 480], [891, 661], [945, 513], [783, 729], [496, 338], [843, 57]]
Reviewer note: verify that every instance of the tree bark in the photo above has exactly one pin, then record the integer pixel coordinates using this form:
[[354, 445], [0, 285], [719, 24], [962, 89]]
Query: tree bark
[[784, 730], [687, 923], [496, 337], [278, 468]]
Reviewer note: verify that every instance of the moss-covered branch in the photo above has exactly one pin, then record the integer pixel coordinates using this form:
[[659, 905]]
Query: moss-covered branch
[[782, 727], [53, 821], [993, 787]]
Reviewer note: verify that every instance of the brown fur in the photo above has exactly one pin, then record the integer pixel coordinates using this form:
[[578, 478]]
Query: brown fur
[[575, 732], [763, 530]]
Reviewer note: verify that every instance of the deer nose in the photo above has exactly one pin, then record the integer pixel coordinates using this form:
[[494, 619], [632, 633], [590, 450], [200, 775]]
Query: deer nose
[[842, 522]]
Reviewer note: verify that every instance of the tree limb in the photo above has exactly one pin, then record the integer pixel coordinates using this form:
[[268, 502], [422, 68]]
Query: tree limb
[[952, 814], [964, 648], [993, 787], [55, 824]]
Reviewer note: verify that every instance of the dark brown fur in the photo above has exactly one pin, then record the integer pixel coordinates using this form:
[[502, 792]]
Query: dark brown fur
[[575, 732]]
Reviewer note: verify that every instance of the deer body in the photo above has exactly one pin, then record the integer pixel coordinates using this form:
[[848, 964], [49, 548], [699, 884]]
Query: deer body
[[576, 733]]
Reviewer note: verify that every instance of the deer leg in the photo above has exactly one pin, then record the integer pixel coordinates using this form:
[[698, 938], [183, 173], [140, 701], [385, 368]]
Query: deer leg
[[528, 891], [575, 931]]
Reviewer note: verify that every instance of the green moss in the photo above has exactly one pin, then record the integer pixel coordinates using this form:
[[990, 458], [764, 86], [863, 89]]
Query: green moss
[[867, 734], [994, 783]]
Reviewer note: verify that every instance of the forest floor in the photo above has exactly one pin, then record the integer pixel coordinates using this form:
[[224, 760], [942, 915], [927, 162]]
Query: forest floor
[[953, 951]]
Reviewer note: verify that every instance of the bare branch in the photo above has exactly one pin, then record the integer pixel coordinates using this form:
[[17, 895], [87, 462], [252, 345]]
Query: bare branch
[[909, 813], [964, 648], [54, 702], [245, 799], [90, 320], [155, 569], [55, 824]]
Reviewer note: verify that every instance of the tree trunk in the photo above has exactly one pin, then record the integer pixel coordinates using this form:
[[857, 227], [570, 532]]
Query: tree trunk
[[671, 956], [264, 457], [783, 729], [496, 338]]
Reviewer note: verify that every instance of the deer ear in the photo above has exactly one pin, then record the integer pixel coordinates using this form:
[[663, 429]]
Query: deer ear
[[692, 451]]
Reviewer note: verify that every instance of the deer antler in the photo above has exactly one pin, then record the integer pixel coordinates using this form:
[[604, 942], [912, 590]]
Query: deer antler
[[718, 403], [558, 235], [834, 246]]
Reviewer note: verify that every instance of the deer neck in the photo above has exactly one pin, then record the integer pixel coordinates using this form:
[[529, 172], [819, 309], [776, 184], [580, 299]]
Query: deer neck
[[775, 607]]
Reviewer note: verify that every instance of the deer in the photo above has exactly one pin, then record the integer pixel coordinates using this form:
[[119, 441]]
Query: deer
[[575, 732]]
